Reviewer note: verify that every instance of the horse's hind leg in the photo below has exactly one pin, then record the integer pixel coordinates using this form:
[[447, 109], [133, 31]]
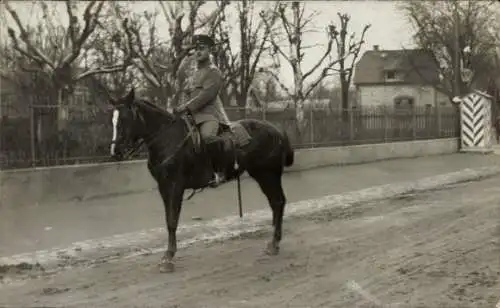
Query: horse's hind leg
[[171, 194], [270, 183]]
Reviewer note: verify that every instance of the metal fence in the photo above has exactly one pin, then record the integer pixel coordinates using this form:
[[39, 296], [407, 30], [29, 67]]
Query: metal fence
[[87, 136], [326, 127]]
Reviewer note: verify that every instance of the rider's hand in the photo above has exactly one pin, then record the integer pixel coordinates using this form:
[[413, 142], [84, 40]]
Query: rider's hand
[[180, 109]]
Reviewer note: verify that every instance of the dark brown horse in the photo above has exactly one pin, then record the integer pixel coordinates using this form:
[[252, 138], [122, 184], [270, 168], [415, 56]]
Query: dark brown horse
[[175, 160]]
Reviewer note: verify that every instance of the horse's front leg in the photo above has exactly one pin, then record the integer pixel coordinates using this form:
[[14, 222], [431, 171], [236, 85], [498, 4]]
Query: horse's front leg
[[171, 193]]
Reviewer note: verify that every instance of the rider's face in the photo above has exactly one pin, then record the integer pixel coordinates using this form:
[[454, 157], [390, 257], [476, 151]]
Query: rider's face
[[202, 52]]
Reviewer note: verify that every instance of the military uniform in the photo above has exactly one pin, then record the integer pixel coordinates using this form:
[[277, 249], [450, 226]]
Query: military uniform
[[201, 97], [203, 102]]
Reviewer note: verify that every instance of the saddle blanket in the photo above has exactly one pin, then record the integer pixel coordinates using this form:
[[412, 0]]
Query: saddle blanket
[[240, 134]]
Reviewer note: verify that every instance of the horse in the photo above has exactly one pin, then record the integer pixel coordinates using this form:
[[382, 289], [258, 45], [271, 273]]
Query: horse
[[176, 156]]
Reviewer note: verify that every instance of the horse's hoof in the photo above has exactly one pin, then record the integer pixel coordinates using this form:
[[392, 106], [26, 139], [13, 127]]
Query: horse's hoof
[[166, 267]]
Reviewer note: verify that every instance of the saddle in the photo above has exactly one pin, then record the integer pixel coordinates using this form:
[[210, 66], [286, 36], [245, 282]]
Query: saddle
[[234, 132], [233, 137]]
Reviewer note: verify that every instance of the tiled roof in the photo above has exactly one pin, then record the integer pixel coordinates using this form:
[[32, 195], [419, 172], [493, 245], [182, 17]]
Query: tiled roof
[[416, 66]]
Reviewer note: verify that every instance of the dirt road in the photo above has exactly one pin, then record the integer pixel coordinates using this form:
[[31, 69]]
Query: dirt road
[[26, 228], [435, 249]]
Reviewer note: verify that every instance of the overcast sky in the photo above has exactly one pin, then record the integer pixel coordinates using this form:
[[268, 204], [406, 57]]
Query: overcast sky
[[389, 28]]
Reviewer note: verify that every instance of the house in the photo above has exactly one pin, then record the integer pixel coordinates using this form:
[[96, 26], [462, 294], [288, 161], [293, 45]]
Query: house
[[398, 78]]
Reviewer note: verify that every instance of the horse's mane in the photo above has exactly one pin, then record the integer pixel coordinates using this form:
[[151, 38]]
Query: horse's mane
[[152, 107]]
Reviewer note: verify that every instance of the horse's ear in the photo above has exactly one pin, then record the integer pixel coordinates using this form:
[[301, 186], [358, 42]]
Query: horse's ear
[[130, 96]]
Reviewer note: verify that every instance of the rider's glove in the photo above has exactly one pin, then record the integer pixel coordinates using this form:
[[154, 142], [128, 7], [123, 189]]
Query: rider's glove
[[180, 109]]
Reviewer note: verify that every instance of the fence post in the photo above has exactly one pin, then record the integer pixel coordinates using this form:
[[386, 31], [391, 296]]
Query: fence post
[[414, 121], [32, 134], [439, 121], [351, 123], [385, 111], [311, 126]]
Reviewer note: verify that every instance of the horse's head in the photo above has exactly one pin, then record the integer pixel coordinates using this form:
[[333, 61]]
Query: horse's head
[[126, 125]]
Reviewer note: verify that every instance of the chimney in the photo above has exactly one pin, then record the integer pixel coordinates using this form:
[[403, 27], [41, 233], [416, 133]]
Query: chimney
[[376, 47]]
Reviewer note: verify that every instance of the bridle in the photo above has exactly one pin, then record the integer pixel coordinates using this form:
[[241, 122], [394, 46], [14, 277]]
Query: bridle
[[137, 145], [149, 140]]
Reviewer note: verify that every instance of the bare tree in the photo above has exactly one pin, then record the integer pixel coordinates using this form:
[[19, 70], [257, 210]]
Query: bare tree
[[160, 62], [241, 67], [223, 58], [296, 25], [266, 90], [322, 91], [436, 25], [348, 46], [20, 85], [56, 50], [52, 54], [108, 48]]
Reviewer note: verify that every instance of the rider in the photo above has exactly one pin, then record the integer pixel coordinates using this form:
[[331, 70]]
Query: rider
[[202, 92]]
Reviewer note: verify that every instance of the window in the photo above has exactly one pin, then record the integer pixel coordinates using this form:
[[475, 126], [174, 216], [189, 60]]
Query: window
[[404, 102], [390, 75]]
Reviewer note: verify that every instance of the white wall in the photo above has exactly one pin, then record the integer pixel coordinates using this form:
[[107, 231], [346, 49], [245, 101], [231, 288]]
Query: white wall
[[377, 95]]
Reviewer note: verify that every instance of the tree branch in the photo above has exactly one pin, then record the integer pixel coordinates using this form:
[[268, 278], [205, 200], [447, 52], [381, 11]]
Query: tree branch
[[133, 39], [90, 19], [269, 28], [24, 52], [265, 39], [315, 83], [277, 79], [102, 70], [24, 35], [356, 51], [321, 60], [73, 21]]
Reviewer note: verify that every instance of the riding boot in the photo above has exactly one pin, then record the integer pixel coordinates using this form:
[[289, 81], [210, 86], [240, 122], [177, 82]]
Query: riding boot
[[219, 149]]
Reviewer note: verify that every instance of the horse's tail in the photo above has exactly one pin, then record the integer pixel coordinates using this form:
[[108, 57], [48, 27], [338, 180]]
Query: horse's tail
[[289, 154]]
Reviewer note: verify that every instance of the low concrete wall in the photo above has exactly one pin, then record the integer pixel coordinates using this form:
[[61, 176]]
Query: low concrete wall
[[74, 183], [358, 154]]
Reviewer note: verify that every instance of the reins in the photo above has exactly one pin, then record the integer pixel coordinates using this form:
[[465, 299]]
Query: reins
[[157, 134], [177, 148]]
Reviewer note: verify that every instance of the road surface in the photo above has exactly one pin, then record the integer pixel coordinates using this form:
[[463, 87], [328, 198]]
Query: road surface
[[434, 249], [43, 226]]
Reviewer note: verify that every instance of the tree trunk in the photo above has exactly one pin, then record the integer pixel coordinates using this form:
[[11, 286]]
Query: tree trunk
[[300, 120], [345, 117], [62, 109], [241, 102], [47, 131], [60, 135]]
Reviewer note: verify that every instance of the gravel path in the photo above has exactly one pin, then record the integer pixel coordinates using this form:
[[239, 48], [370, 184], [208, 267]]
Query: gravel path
[[434, 249]]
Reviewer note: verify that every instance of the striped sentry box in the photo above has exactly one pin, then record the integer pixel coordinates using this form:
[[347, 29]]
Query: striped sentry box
[[476, 124]]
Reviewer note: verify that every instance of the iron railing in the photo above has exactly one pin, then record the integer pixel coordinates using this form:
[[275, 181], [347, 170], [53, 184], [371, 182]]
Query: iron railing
[[26, 143]]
